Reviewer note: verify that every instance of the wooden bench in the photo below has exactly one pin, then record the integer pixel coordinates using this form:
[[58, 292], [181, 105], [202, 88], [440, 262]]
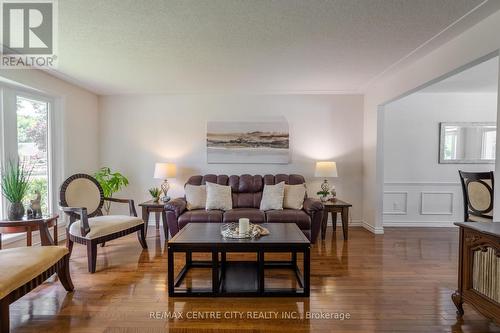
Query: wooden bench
[[23, 269]]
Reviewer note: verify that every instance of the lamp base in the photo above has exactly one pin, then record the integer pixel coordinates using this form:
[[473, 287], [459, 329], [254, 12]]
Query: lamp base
[[325, 187], [165, 186]]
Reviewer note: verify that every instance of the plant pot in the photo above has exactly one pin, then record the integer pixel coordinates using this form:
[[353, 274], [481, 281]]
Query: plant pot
[[16, 211], [323, 199]]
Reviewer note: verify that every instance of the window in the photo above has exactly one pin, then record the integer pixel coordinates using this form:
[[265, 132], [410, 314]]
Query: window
[[26, 135], [489, 144]]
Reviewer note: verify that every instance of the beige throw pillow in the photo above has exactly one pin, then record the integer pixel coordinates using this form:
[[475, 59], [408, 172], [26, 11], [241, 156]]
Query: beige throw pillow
[[272, 197], [218, 197], [294, 196], [196, 196]]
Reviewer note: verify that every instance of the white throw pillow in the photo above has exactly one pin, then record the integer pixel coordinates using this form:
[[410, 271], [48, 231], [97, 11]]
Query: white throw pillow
[[218, 197], [272, 197], [294, 196], [196, 196]]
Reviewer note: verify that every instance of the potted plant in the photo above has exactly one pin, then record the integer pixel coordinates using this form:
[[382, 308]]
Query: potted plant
[[111, 182], [15, 184], [155, 193], [323, 195]]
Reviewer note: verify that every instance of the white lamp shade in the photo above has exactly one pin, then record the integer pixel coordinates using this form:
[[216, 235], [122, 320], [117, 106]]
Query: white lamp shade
[[165, 170], [326, 169]]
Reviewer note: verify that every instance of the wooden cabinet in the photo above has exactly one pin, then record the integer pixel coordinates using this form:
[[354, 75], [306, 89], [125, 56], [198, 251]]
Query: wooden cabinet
[[479, 268]]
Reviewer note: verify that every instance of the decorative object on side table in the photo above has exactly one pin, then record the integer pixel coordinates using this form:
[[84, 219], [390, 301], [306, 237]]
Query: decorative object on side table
[[35, 209], [165, 171], [15, 185], [111, 182], [326, 169], [155, 193]]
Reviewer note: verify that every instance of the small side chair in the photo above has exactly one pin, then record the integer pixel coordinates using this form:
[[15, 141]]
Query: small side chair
[[82, 198], [477, 188]]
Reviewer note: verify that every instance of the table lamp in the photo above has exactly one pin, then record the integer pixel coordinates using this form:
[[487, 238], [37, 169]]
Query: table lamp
[[325, 169], [165, 171]]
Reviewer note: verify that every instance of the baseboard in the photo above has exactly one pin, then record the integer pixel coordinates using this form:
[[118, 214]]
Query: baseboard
[[372, 229], [420, 224]]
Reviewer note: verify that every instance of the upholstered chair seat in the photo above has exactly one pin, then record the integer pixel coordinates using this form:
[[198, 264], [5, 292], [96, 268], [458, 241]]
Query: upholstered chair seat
[[105, 225], [25, 268], [26, 263]]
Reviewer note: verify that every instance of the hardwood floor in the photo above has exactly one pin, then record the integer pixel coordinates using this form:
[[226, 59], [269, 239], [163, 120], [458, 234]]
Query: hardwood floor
[[397, 282]]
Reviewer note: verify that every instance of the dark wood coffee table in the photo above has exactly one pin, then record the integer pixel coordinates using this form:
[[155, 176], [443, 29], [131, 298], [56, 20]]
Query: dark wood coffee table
[[239, 278]]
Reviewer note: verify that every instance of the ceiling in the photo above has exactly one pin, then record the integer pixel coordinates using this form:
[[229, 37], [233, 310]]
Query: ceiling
[[482, 78], [257, 46]]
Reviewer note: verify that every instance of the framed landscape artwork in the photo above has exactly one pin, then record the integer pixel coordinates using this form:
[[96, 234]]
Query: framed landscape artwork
[[248, 142]]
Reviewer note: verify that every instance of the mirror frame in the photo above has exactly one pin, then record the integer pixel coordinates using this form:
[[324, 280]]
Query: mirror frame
[[441, 142]]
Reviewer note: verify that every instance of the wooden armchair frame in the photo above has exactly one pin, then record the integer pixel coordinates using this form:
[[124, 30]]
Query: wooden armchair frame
[[81, 213]]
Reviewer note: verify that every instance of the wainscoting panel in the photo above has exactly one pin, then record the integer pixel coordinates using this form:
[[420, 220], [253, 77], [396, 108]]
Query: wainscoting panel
[[422, 204], [436, 203], [395, 203]]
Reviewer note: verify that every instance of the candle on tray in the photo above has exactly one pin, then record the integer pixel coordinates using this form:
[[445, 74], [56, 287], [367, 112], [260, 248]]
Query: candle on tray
[[243, 226]]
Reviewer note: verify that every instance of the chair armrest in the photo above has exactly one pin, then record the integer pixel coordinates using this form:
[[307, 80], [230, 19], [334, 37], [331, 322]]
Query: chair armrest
[[177, 205], [312, 206], [130, 202], [82, 211]]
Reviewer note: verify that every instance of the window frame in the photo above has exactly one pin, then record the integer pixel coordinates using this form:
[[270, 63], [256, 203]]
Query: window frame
[[55, 166]]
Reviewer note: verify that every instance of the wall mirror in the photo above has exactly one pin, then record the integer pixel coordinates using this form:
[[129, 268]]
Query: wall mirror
[[467, 143]]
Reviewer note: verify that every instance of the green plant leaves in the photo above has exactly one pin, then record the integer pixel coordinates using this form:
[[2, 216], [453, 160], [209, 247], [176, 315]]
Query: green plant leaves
[[111, 182], [15, 180]]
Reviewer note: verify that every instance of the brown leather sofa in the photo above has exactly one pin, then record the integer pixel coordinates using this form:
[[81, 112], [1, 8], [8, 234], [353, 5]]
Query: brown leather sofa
[[247, 194]]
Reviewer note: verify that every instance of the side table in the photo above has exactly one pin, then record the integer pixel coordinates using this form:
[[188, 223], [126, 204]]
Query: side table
[[334, 207], [158, 207], [28, 226]]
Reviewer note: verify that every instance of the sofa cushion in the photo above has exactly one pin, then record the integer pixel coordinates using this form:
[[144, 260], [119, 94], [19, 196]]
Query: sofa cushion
[[294, 196], [272, 197], [22, 264], [299, 217], [218, 197], [200, 216], [105, 225], [255, 215], [196, 196]]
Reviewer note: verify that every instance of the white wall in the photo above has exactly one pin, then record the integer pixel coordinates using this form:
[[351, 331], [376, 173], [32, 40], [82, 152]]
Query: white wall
[[137, 131], [418, 191], [478, 41]]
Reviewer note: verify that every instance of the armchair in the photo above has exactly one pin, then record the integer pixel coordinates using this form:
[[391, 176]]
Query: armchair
[[82, 198]]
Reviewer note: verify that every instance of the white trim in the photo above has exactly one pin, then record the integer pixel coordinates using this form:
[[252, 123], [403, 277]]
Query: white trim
[[422, 203], [420, 224], [421, 183], [373, 230], [395, 212]]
